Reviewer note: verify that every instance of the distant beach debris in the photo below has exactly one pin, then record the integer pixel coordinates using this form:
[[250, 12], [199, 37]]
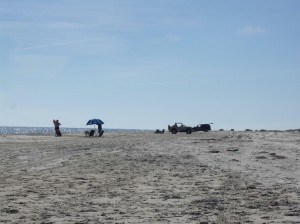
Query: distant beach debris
[[221, 129], [293, 130], [248, 130], [202, 127], [179, 127], [232, 129], [157, 131], [232, 149]]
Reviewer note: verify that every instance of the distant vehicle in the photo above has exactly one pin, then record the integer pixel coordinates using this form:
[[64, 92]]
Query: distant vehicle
[[202, 127], [179, 127]]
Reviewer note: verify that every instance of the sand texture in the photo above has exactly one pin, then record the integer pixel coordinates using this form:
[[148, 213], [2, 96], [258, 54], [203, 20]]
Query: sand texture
[[215, 177]]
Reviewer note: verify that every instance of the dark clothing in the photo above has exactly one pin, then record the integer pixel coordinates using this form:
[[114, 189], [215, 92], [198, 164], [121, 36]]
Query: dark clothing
[[56, 127], [57, 131], [99, 128], [100, 131]]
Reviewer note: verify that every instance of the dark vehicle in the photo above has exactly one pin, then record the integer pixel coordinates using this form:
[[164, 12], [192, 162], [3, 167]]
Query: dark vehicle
[[202, 127], [179, 127]]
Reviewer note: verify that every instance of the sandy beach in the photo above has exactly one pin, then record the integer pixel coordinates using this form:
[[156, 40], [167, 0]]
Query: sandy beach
[[214, 177]]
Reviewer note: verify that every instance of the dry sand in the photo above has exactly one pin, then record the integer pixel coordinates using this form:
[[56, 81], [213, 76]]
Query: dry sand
[[215, 177]]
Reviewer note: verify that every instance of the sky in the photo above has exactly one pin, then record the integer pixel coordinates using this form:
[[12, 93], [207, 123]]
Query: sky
[[139, 64]]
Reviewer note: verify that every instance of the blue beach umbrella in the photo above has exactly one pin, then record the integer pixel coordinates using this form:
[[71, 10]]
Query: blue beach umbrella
[[94, 121]]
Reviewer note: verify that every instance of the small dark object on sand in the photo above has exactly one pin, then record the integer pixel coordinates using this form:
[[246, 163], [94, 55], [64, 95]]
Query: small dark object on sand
[[159, 131], [89, 133]]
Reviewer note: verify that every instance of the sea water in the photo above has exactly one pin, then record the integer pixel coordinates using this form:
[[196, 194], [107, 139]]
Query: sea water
[[50, 130]]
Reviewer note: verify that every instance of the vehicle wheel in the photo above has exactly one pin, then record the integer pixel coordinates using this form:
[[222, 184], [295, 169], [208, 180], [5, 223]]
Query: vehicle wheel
[[174, 131], [188, 131]]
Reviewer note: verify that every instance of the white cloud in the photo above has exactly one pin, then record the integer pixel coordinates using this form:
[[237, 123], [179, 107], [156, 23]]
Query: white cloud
[[173, 39], [9, 24], [252, 31], [64, 25], [291, 70], [39, 66], [14, 25], [155, 83], [60, 44], [58, 25]]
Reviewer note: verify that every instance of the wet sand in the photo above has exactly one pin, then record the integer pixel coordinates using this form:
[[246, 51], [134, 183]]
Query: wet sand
[[215, 177]]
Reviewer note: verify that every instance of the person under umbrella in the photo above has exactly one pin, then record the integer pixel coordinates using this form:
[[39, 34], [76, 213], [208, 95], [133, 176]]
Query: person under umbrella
[[97, 122], [100, 131]]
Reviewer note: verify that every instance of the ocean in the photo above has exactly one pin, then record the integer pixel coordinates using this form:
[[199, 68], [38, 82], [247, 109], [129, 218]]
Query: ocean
[[50, 130]]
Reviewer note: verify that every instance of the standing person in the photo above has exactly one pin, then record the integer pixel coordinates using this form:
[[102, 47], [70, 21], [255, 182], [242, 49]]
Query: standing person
[[56, 127], [100, 131]]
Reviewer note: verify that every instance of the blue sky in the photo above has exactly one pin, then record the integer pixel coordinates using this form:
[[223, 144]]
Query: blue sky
[[146, 64]]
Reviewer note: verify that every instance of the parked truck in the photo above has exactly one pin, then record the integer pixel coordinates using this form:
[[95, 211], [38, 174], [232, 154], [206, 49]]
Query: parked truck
[[202, 127]]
